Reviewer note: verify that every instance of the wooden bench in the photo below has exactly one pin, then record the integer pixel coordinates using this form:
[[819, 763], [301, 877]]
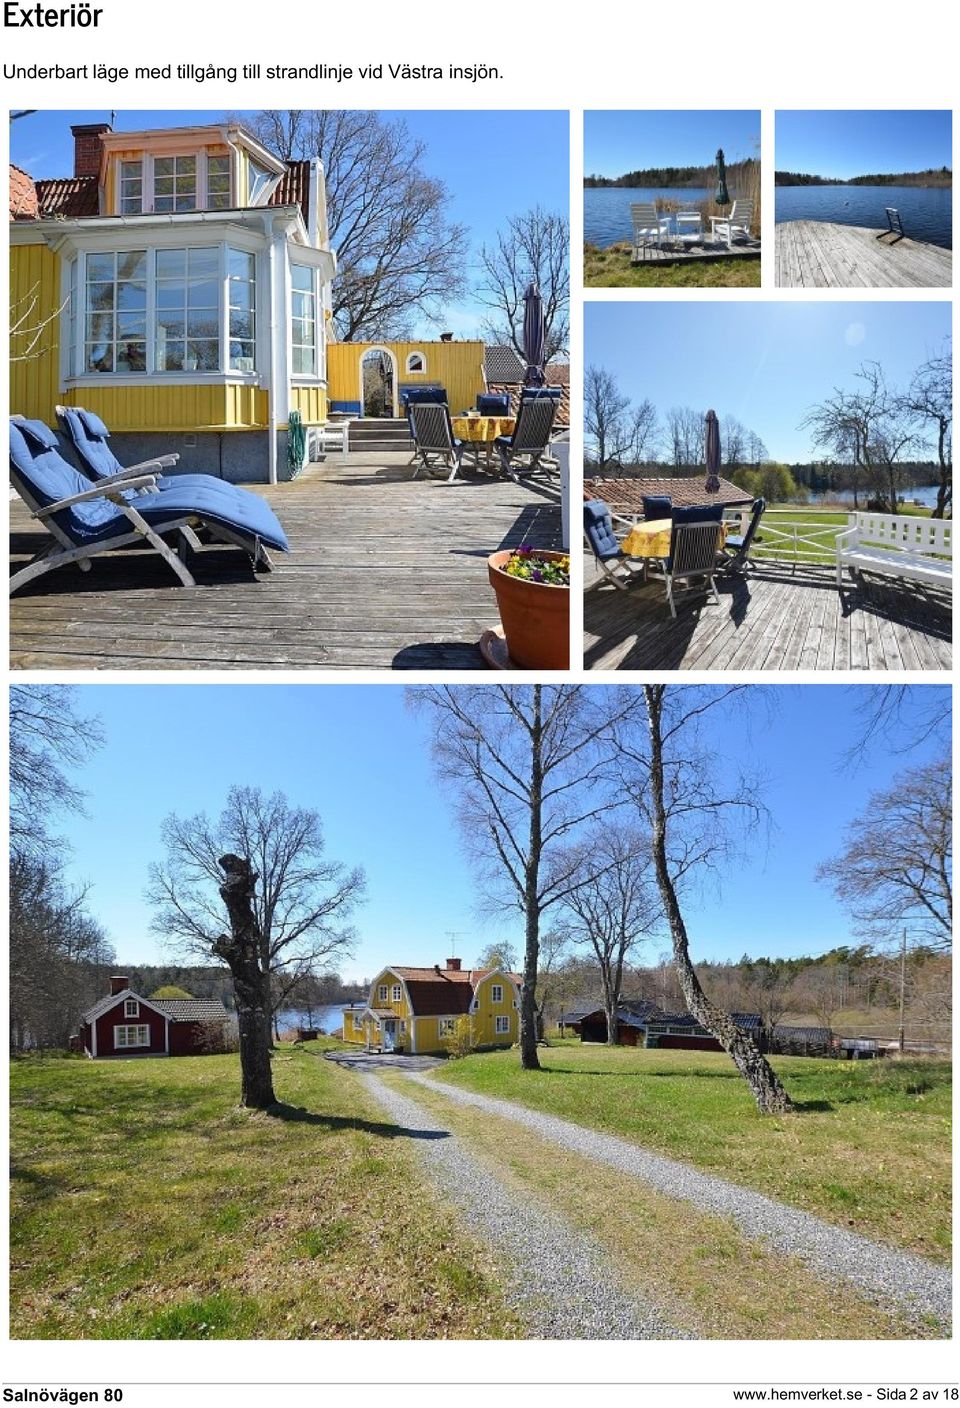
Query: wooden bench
[[920, 549], [335, 435]]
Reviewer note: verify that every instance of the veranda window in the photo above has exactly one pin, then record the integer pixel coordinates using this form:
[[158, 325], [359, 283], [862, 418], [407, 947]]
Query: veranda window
[[242, 291], [116, 312], [304, 310], [188, 310]]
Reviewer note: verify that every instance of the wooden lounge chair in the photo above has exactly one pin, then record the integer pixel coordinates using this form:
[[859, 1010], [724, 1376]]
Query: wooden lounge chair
[[433, 438], [736, 225], [649, 228], [85, 520], [87, 437]]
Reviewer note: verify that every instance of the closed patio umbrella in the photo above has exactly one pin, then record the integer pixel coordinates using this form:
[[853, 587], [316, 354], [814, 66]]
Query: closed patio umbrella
[[534, 336], [712, 485], [722, 196]]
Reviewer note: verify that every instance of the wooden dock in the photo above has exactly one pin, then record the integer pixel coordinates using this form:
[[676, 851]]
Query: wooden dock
[[385, 573], [700, 253], [815, 254], [776, 618]]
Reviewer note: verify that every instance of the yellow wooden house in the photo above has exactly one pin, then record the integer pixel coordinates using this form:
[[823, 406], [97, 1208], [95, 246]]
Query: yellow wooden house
[[416, 1010], [177, 284]]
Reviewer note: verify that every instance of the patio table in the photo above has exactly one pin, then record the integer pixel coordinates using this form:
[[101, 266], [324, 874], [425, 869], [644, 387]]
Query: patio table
[[652, 538], [479, 432]]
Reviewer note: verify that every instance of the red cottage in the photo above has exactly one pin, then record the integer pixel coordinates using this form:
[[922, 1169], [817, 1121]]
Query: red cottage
[[125, 1024]]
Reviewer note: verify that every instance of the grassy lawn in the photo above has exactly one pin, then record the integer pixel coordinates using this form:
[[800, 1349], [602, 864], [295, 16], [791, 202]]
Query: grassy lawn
[[774, 1296], [146, 1204], [869, 1147], [784, 517], [613, 268]]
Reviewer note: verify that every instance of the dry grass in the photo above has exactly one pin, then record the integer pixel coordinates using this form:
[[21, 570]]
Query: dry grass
[[705, 1276], [146, 1204]]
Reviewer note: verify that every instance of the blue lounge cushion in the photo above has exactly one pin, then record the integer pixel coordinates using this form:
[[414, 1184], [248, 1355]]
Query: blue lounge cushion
[[93, 424], [656, 505], [37, 433], [49, 478], [88, 436], [599, 529]]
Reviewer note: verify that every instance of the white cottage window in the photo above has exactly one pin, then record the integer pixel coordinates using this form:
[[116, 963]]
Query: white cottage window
[[131, 187], [397, 992], [503, 1025], [496, 993], [124, 1037], [131, 1007], [174, 183], [218, 182], [115, 333], [416, 364], [303, 307]]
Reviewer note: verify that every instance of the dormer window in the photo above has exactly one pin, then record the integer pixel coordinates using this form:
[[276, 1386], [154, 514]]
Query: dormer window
[[174, 183], [416, 364], [496, 993], [397, 992], [382, 992], [131, 187], [218, 183], [258, 181], [131, 1007]]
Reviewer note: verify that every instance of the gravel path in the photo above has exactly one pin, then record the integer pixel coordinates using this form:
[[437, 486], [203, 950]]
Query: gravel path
[[558, 1280], [884, 1275]]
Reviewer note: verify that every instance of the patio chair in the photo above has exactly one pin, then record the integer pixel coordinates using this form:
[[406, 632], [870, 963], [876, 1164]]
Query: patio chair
[[736, 224], [735, 553], [689, 222], [87, 437], [656, 506], [530, 442], [85, 520], [433, 438], [694, 541], [649, 228], [494, 403], [607, 552]]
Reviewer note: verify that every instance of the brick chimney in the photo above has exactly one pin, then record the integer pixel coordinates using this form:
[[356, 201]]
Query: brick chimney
[[453, 964], [87, 147], [118, 983]]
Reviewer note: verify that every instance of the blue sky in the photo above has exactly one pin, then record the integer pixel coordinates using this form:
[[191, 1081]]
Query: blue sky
[[763, 363], [846, 144], [617, 142], [460, 146], [361, 758]]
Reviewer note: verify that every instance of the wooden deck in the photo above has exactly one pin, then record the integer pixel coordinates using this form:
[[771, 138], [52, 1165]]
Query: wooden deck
[[700, 253], [777, 618], [385, 573], [814, 254]]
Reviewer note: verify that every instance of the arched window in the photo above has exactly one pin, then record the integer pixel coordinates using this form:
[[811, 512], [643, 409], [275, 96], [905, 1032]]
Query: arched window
[[416, 363]]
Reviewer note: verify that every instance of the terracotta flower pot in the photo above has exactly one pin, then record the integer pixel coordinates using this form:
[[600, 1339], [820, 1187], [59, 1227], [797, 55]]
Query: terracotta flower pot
[[535, 616]]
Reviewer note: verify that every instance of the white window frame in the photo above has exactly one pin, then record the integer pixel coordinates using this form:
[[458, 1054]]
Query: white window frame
[[447, 1026], [501, 1026], [410, 370], [316, 313], [397, 993], [141, 1037], [199, 182], [496, 992], [142, 178], [131, 1007], [382, 991]]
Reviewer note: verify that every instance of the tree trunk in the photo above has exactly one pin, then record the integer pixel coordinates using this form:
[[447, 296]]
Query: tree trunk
[[946, 474], [767, 1090], [241, 951], [529, 1059]]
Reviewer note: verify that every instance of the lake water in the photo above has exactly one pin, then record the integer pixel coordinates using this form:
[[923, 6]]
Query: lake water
[[606, 209], [327, 1018], [925, 211], [926, 494]]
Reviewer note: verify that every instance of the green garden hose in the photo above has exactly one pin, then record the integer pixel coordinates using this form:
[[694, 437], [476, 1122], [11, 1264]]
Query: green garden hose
[[296, 443]]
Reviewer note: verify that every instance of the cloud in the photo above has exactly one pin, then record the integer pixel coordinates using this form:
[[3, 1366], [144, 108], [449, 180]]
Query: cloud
[[854, 334]]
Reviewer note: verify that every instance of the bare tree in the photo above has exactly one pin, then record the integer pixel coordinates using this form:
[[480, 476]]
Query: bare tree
[[614, 910], [533, 248], [48, 739], [398, 254], [929, 401], [604, 408], [899, 718], [733, 442], [498, 955], [676, 791], [553, 952], [871, 424], [263, 862], [685, 436], [528, 763], [895, 867], [768, 988]]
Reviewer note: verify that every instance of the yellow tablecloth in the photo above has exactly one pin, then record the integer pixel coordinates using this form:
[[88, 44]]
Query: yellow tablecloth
[[482, 430], [652, 538]]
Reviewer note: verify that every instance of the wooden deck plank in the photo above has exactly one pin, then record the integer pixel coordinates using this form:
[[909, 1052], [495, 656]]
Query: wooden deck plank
[[820, 254], [385, 572], [775, 619]]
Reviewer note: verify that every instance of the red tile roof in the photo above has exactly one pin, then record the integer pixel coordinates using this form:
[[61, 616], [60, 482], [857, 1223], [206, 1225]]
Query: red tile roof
[[625, 495], [23, 195], [294, 188], [443, 992], [513, 391], [72, 197]]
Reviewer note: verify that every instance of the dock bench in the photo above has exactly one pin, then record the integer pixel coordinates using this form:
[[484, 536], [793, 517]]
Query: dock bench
[[919, 549]]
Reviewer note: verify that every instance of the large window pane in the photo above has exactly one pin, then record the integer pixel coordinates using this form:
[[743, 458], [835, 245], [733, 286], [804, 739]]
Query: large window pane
[[171, 263], [303, 307]]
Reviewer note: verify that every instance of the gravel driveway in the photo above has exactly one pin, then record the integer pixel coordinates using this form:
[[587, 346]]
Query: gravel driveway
[[884, 1275], [558, 1280]]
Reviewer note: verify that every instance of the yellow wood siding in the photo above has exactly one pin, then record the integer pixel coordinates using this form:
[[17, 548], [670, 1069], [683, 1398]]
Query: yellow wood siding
[[176, 408], [311, 402], [457, 366], [487, 1011], [353, 1027], [35, 380], [111, 182]]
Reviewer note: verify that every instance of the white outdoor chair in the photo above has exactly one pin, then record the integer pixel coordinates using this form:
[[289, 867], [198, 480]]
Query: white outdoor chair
[[649, 228], [689, 222], [733, 226]]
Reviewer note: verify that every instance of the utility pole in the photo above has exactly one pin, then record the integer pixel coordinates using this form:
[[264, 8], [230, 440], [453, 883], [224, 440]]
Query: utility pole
[[901, 1032]]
